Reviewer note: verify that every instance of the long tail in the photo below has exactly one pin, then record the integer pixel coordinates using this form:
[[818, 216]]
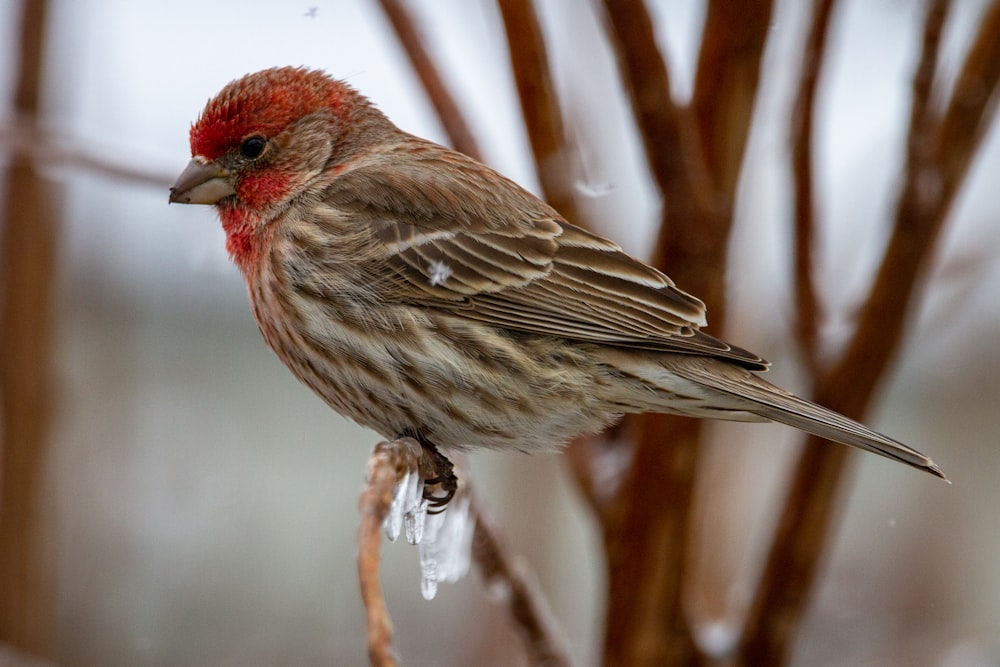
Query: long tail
[[773, 403]]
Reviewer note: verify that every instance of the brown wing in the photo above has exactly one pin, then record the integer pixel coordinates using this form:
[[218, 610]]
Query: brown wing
[[533, 273]]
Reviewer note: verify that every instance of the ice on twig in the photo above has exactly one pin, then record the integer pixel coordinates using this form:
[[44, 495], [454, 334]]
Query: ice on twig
[[408, 506], [414, 522], [446, 547], [444, 540]]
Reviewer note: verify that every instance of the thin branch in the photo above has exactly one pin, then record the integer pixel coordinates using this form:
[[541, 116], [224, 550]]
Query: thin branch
[[725, 89], [539, 104], [931, 179], [387, 465], [808, 312], [502, 571], [667, 134], [972, 110], [48, 150], [444, 104], [646, 527], [30, 233]]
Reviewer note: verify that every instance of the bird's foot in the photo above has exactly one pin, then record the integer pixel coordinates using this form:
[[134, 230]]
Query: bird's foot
[[441, 483]]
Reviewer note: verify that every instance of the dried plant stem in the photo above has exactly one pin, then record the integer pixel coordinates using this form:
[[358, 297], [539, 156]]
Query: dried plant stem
[[27, 270], [725, 91], [528, 609], [387, 465], [932, 177], [44, 149], [539, 104], [444, 104], [807, 307], [694, 161]]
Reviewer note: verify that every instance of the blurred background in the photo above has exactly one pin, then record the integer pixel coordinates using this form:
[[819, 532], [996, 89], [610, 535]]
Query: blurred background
[[195, 505]]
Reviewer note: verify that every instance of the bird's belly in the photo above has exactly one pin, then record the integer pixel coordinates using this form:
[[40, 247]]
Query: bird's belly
[[459, 385]]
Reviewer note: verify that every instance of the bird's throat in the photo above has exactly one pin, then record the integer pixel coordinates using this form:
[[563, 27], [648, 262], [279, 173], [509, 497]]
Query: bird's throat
[[244, 236]]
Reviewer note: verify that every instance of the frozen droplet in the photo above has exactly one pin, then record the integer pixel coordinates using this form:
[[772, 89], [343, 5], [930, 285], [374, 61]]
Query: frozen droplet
[[414, 521], [405, 508], [393, 521], [428, 587], [446, 546]]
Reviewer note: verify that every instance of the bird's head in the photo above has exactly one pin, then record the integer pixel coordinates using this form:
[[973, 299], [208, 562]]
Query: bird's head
[[265, 137]]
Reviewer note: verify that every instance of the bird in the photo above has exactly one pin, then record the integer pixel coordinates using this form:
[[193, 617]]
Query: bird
[[422, 294]]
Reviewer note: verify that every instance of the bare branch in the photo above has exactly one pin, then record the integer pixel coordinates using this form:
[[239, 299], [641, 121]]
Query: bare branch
[[520, 590], [972, 110], [46, 149], [725, 90], [30, 233], [672, 150], [539, 104], [931, 179], [387, 465], [799, 542], [808, 312], [444, 104]]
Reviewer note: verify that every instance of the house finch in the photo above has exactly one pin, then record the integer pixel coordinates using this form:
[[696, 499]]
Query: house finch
[[422, 294]]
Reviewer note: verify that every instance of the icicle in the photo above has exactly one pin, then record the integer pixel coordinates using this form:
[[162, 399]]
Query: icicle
[[393, 521], [414, 521], [446, 547], [406, 508]]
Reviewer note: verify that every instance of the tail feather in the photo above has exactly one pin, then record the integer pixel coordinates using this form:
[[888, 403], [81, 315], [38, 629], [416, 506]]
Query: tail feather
[[771, 402]]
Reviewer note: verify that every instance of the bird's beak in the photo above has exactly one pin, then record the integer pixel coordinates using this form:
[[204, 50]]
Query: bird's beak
[[202, 182]]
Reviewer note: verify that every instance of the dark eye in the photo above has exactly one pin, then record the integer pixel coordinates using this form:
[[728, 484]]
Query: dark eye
[[252, 147]]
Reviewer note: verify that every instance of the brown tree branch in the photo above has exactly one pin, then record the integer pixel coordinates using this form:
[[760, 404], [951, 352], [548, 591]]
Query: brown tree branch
[[725, 90], [387, 465], [520, 591], [444, 104], [667, 133], [49, 150], [27, 269], [932, 177], [647, 525], [539, 104], [972, 110], [808, 311], [694, 162]]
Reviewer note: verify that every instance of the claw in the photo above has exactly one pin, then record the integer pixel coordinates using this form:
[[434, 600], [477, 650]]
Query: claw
[[444, 477]]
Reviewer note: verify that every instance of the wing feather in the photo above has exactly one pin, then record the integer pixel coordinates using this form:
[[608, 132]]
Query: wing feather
[[533, 273]]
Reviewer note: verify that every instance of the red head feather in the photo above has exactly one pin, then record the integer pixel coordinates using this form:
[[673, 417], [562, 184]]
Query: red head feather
[[262, 103]]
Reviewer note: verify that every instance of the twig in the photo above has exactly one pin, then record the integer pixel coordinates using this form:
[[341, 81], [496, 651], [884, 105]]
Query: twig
[[509, 578], [30, 235], [647, 526], [46, 149], [647, 536], [807, 308], [725, 89], [668, 136], [973, 108], [807, 514], [388, 463], [539, 104], [444, 104]]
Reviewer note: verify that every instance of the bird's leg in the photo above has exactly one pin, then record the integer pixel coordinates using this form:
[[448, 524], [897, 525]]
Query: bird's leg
[[439, 477]]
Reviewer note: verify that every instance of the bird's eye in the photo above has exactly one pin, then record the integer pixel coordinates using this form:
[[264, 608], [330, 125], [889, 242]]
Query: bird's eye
[[252, 147]]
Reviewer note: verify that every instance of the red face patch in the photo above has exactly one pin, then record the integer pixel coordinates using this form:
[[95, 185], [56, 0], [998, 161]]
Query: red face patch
[[262, 103]]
